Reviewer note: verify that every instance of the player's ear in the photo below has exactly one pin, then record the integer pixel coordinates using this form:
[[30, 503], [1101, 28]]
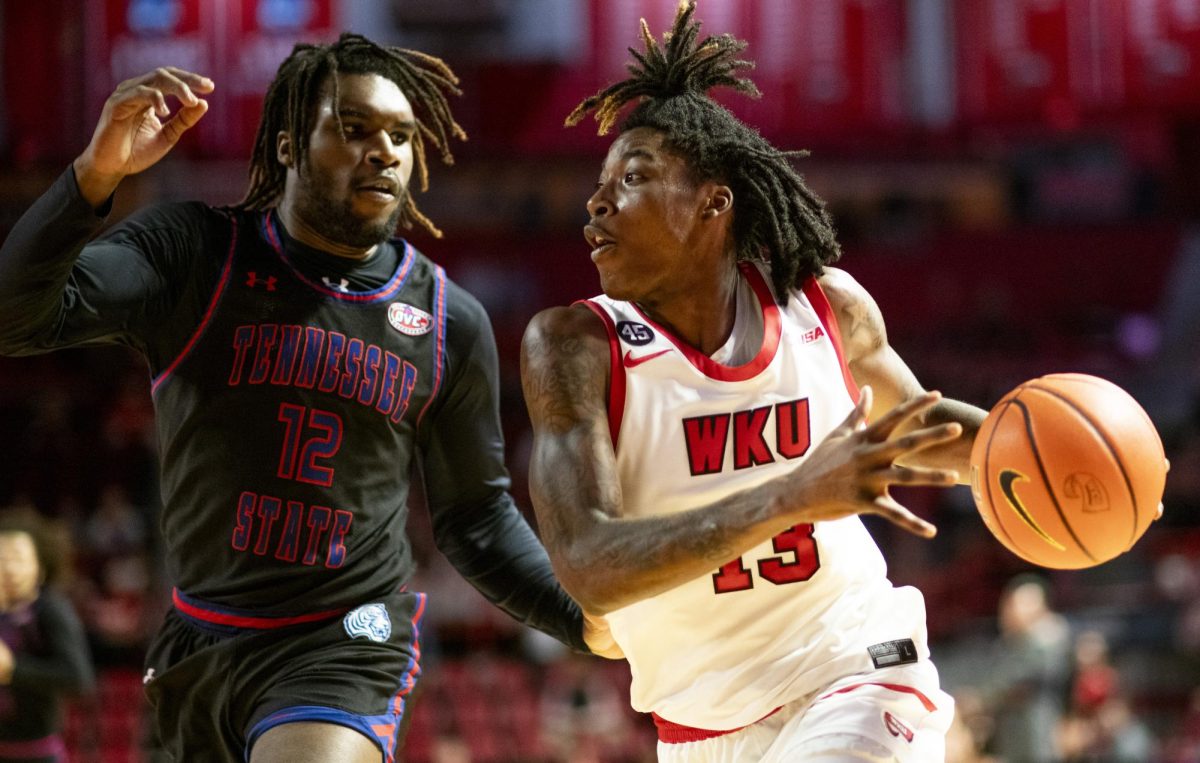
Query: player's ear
[[283, 149], [719, 201]]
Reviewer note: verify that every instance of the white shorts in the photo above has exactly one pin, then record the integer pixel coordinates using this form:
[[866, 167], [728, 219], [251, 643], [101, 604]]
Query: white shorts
[[892, 715]]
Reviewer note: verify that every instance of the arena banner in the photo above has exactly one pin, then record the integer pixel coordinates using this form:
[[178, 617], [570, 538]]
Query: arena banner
[[1062, 61], [126, 38], [238, 43]]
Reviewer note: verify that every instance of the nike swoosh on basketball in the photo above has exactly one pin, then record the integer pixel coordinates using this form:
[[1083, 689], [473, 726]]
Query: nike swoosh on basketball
[[1007, 478], [630, 361]]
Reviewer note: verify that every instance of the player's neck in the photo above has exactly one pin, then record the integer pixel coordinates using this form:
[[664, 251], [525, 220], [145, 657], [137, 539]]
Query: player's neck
[[702, 317], [301, 231]]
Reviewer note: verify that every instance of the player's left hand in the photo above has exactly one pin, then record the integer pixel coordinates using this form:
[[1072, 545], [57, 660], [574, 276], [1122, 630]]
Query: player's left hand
[[7, 663], [599, 638], [1159, 513]]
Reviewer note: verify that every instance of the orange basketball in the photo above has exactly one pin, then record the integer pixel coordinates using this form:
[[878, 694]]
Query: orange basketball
[[1067, 471]]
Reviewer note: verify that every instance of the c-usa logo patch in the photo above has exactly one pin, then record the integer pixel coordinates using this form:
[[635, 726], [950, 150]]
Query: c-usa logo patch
[[370, 621]]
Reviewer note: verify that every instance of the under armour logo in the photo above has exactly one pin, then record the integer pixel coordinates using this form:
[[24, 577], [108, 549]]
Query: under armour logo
[[253, 280], [342, 285], [148, 677]]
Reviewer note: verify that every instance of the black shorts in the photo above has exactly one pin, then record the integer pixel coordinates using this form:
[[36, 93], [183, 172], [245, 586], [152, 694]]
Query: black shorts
[[215, 685]]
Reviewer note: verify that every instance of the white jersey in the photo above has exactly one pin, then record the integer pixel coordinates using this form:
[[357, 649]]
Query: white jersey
[[800, 610]]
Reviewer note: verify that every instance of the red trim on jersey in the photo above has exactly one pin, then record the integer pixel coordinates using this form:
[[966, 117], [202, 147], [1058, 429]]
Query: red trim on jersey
[[925, 701], [439, 344], [676, 733], [208, 312], [616, 383], [772, 330], [245, 621], [820, 303]]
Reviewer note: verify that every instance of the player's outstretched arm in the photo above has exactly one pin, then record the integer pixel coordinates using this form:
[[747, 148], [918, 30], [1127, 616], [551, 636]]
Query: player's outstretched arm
[[136, 128], [874, 362], [606, 560]]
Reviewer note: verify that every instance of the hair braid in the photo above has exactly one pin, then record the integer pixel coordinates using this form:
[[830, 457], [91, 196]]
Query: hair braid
[[777, 217], [289, 107]]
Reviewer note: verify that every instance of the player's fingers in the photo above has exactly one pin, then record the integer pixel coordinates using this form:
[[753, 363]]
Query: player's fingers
[[918, 475], [197, 82], [184, 119], [126, 104], [1159, 513], [886, 507], [919, 439], [166, 81], [858, 417], [886, 424]]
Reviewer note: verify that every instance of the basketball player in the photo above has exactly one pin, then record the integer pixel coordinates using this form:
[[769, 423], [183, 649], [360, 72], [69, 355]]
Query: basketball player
[[702, 446], [302, 361]]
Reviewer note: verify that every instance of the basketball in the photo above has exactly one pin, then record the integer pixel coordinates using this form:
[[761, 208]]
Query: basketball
[[1067, 471]]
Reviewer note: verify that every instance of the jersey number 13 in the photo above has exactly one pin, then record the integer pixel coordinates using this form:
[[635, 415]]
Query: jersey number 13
[[798, 541]]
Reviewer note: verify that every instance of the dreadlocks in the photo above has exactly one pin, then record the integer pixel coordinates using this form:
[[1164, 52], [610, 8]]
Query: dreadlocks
[[777, 218], [290, 107]]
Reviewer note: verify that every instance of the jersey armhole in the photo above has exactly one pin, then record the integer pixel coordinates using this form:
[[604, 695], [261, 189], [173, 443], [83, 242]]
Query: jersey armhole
[[616, 375], [816, 296], [209, 312]]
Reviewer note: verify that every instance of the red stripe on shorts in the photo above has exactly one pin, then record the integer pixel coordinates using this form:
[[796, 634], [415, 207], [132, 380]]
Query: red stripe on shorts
[[676, 733], [892, 687]]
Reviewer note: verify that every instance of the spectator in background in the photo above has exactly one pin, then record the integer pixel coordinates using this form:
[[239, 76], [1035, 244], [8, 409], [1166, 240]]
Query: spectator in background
[[1100, 724], [43, 652], [1027, 674]]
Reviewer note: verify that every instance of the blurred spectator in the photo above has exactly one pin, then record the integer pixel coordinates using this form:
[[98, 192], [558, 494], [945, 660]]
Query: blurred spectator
[[583, 716], [1095, 679], [43, 652], [969, 731], [115, 528], [1027, 674], [1184, 744], [1100, 724]]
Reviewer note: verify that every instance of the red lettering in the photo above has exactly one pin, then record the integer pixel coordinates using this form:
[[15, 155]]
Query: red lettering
[[705, 438], [243, 337], [317, 528], [268, 333], [792, 428], [749, 445]]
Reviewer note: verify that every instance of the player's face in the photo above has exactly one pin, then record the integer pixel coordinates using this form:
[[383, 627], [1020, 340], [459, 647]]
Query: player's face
[[645, 219], [353, 182], [19, 571]]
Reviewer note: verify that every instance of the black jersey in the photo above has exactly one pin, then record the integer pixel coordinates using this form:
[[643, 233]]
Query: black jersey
[[287, 426], [293, 390]]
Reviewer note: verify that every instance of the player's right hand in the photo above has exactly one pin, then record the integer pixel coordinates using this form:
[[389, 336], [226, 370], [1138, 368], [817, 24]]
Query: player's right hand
[[136, 127], [849, 472]]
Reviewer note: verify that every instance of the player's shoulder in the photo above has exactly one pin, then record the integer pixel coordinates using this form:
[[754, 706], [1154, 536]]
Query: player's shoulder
[[564, 322], [844, 291], [175, 230], [177, 216]]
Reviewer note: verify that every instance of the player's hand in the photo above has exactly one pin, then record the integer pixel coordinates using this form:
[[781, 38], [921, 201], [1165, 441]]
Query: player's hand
[[136, 127], [1158, 514], [849, 472], [599, 638], [7, 663]]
